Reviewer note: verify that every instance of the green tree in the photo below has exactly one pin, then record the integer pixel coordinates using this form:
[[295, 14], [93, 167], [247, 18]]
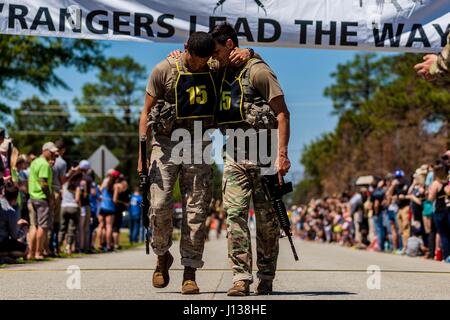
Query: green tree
[[356, 82], [34, 60], [318, 154], [34, 122], [106, 107], [121, 83], [305, 190], [315, 158], [383, 124]]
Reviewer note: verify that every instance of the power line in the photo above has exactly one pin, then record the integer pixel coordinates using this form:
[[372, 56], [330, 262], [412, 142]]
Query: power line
[[132, 115], [67, 114], [317, 103], [74, 133], [56, 106]]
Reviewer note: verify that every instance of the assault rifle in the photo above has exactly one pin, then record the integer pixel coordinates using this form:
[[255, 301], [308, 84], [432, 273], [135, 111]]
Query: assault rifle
[[274, 193], [144, 184]]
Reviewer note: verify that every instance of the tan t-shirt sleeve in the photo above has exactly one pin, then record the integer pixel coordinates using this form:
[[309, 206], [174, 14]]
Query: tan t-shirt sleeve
[[264, 80], [157, 82]]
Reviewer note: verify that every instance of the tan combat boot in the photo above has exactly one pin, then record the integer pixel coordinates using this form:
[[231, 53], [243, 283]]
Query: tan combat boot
[[240, 288], [189, 284], [264, 287], [161, 275]]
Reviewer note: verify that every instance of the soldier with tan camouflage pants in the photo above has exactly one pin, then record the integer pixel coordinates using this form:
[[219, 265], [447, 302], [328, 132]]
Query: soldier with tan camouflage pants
[[179, 92], [435, 66], [250, 99]]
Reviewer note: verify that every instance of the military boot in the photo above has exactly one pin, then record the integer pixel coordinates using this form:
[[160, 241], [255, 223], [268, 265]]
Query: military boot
[[264, 287], [189, 285], [240, 288], [161, 275]]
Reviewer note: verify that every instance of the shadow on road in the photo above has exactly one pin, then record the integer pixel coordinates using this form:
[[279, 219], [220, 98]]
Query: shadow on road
[[201, 292], [282, 293], [312, 293]]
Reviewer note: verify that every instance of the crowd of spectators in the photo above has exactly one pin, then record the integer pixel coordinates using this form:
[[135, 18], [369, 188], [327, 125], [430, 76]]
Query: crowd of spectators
[[47, 209], [399, 214]]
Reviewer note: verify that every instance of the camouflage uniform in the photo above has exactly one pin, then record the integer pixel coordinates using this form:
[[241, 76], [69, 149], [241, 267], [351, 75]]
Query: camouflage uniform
[[195, 180], [242, 181], [196, 190], [441, 68]]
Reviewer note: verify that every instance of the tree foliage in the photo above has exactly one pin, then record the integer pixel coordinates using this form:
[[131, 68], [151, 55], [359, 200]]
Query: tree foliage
[[356, 82], [34, 122], [385, 114], [106, 107], [35, 60]]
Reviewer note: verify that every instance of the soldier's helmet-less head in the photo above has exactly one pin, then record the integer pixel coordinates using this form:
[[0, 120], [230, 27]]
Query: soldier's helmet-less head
[[199, 48]]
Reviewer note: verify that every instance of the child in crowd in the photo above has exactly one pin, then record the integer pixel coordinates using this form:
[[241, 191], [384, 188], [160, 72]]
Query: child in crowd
[[415, 246]]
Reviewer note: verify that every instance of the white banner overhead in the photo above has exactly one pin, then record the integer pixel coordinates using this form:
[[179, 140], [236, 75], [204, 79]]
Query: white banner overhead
[[395, 25]]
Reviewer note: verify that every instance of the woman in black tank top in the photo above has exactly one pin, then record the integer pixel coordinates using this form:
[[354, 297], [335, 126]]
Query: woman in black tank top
[[440, 204], [441, 217]]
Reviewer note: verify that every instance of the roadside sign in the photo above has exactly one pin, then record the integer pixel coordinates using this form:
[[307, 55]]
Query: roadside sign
[[102, 160]]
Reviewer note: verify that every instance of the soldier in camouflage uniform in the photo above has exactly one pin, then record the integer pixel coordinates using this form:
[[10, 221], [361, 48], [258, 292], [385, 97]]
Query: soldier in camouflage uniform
[[435, 67], [179, 93], [250, 98]]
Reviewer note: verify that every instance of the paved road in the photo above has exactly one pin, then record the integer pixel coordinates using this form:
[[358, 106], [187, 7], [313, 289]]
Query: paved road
[[323, 272]]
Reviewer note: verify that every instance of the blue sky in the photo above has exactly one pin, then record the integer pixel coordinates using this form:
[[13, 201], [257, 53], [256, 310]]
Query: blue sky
[[303, 74]]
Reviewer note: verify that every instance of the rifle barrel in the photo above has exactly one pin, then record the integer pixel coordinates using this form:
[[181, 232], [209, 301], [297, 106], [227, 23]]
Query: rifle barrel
[[293, 248]]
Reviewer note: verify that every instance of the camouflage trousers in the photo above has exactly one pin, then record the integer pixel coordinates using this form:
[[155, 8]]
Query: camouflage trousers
[[195, 182], [240, 183]]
